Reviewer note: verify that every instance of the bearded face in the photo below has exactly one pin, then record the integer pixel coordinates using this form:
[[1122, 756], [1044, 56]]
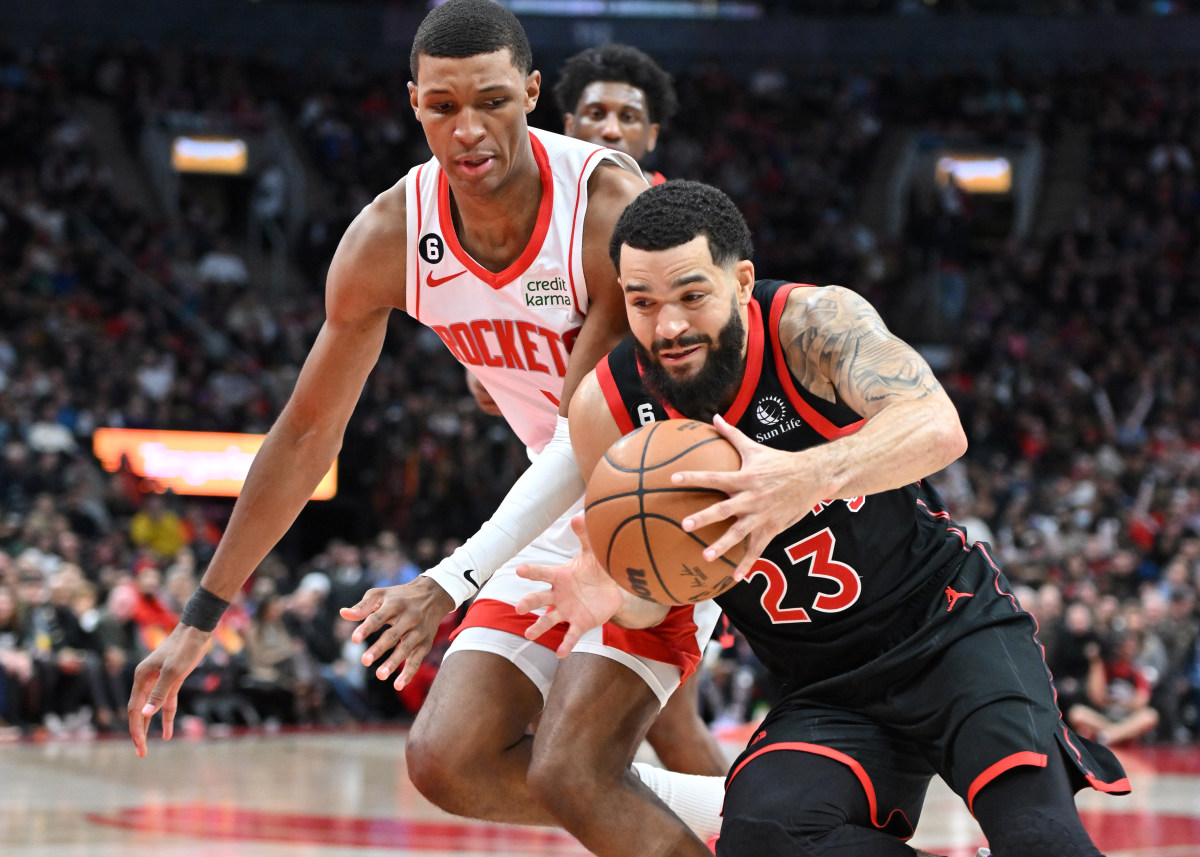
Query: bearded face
[[710, 389]]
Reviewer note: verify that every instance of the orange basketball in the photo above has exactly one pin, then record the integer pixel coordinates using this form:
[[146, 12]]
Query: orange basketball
[[634, 513]]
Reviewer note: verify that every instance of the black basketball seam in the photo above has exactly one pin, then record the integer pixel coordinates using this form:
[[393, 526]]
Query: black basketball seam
[[642, 511], [673, 489], [621, 468], [642, 515], [692, 536]]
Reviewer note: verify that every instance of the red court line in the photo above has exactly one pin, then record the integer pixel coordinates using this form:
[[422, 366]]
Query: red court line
[[208, 821]]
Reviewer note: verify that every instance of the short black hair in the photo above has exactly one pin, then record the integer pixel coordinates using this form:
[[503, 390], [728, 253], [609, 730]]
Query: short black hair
[[468, 28], [620, 64], [675, 212]]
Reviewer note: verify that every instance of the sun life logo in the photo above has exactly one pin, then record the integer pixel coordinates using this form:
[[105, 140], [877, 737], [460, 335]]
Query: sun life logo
[[769, 410]]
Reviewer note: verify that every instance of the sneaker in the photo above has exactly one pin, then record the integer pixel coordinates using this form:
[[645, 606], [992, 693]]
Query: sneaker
[[984, 852]]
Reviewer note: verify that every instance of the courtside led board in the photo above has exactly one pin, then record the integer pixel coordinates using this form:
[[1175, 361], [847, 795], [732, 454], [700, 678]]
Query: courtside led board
[[207, 463]]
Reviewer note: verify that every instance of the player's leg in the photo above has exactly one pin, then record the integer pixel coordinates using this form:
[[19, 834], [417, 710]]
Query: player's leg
[[680, 737], [596, 716], [468, 750], [798, 804], [1030, 812]]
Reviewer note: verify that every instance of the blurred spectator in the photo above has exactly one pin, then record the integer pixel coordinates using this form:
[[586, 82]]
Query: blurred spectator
[[1076, 647], [1118, 708], [282, 678], [157, 527]]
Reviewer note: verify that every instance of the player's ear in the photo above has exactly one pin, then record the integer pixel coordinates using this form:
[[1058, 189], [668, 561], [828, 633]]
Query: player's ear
[[652, 137], [533, 88], [743, 273], [569, 124], [412, 99]]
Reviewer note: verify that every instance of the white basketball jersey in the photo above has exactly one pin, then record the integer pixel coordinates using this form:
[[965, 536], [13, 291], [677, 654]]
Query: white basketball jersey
[[515, 328]]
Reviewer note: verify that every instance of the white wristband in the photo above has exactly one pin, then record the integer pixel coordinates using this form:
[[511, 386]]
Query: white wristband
[[547, 488]]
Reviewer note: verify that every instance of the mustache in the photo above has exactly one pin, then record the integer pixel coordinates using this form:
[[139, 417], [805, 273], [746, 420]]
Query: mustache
[[685, 341]]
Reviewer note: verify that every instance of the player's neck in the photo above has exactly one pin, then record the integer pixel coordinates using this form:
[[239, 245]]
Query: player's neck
[[494, 228]]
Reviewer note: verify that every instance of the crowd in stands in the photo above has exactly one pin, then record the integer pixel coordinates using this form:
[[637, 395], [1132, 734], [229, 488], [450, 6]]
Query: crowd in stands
[[1072, 361]]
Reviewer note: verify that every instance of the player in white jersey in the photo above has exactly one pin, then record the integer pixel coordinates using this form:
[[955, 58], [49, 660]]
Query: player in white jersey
[[495, 211], [514, 329]]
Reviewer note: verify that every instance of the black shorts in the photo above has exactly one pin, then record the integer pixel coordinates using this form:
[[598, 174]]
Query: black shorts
[[967, 697]]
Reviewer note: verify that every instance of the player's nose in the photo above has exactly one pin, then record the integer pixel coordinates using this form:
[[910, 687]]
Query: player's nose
[[469, 127], [670, 324], [611, 130]]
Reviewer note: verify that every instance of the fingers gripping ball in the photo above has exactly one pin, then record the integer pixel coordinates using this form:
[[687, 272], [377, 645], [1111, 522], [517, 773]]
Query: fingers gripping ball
[[634, 513]]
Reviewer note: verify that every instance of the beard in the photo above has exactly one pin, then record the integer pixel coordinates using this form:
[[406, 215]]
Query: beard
[[708, 392]]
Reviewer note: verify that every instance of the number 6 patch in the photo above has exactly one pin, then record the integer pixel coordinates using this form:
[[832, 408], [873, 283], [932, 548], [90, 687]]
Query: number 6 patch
[[431, 248]]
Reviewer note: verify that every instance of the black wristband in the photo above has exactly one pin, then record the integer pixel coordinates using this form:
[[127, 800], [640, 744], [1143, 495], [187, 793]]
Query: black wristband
[[203, 610]]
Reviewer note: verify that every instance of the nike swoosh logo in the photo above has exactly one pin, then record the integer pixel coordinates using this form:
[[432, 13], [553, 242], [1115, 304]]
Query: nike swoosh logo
[[467, 575], [432, 281]]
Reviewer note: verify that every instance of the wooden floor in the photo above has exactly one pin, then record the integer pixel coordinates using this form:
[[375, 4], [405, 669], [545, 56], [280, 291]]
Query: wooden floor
[[346, 794]]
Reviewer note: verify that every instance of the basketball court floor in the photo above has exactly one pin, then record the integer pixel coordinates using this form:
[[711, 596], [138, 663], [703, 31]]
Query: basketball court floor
[[346, 794]]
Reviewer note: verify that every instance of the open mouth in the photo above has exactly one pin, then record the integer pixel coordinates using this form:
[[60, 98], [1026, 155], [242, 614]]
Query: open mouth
[[677, 355], [475, 165]]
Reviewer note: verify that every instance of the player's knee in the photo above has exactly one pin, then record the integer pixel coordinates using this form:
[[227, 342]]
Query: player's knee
[[436, 767], [1041, 832], [558, 780]]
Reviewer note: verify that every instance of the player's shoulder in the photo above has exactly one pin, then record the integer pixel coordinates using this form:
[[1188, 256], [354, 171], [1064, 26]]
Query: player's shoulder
[[369, 265], [814, 300]]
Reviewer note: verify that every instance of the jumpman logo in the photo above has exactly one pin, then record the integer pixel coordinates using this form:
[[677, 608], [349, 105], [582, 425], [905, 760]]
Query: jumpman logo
[[953, 597]]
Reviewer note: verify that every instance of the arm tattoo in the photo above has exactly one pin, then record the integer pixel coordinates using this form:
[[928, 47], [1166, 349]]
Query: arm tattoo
[[836, 343]]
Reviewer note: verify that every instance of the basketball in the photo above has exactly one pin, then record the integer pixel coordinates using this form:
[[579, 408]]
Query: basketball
[[634, 513]]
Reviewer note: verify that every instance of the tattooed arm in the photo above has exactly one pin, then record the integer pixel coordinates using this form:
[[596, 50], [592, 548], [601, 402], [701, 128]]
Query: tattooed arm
[[838, 347]]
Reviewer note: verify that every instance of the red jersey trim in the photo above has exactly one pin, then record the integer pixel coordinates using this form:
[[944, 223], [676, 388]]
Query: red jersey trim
[[412, 245], [1016, 760], [754, 362], [673, 641], [657, 178], [574, 225], [540, 228], [808, 413], [502, 616], [857, 769], [608, 386]]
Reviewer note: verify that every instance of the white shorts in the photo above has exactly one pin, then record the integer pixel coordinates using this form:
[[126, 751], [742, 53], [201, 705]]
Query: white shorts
[[663, 656]]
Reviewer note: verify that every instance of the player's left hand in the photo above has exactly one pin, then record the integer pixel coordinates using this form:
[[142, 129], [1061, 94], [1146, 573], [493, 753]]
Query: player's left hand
[[766, 496], [581, 593]]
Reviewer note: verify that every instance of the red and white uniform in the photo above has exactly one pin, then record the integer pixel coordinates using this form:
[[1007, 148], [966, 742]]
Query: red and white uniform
[[514, 329]]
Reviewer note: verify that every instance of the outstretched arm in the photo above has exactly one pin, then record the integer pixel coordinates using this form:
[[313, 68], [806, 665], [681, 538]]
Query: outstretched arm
[[837, 347], [366, 279]]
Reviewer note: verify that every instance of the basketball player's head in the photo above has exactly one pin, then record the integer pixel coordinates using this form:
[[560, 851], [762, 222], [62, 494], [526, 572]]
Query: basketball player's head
[[682, 250], [615, 96], [472, 86]]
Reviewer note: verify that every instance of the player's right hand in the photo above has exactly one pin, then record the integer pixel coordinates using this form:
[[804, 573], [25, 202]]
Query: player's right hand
[[413, 611], [157, 679]]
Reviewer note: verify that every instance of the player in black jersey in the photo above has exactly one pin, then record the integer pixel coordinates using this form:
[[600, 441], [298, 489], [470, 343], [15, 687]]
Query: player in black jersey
[[903, 651]]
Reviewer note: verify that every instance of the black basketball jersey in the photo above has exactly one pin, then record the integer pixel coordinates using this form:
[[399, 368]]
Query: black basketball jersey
[[849, 580]]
